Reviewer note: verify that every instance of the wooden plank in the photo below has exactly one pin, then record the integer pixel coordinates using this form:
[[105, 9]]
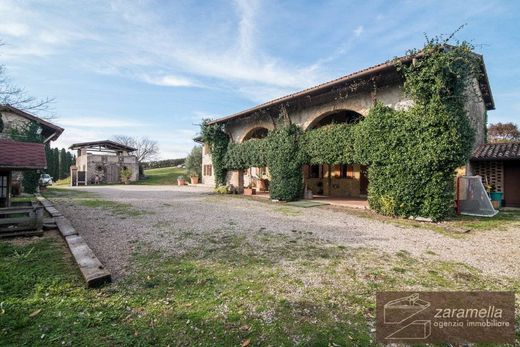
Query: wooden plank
[[65, 227], [91, 268], [22, 233]]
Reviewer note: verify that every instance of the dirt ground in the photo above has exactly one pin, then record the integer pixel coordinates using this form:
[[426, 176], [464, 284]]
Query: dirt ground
[[117, 220]]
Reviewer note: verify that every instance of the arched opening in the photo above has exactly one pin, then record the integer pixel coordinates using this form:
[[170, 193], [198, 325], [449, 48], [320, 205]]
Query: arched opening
[[335, 117], [256, 133], [256, 178], [336, 180]]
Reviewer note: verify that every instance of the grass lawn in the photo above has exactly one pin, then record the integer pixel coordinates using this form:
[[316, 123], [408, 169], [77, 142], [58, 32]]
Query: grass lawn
[[227, 290], [163, 176]]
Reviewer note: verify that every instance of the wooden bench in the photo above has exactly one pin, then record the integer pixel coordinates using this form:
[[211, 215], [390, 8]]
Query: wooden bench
[[21, 220]]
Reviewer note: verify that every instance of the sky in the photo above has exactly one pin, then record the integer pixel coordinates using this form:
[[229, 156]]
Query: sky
[[157, 68]]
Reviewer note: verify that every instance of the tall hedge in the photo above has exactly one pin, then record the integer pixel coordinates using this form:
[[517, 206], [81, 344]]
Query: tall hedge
[[285, 159]]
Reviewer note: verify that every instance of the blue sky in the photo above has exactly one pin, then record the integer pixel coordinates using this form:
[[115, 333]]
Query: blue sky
[[156, 68]]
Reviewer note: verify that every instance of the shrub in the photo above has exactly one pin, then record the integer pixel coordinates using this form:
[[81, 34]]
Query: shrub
[[126, 174]]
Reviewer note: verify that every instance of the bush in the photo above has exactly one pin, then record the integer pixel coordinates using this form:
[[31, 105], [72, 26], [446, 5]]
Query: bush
[[125, 175]]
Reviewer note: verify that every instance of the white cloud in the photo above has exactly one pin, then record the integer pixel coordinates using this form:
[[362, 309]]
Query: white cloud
[[97, 122], [169, 81], [359, 30]]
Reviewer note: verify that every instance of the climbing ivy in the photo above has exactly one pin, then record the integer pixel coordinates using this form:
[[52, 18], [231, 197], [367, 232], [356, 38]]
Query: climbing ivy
[[331, 144], [413, 154], [215, 136], [285, 159], [251, 153]]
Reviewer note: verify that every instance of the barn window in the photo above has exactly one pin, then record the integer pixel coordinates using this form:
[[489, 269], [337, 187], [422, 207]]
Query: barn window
[[346, 171], [314, 171]]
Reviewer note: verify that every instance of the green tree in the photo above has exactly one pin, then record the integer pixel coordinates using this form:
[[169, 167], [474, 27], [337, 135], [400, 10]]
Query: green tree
[[194, 161]]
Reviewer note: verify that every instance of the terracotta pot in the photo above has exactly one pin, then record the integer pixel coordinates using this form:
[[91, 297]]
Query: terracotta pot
[[194, 179], [249, 191], [181, 182]]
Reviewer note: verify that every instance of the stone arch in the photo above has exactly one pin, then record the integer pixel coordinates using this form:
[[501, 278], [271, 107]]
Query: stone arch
[[258, 132], [335, 117]]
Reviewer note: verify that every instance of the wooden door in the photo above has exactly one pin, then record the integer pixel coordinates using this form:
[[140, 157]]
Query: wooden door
[[512, 183], [363, 180]]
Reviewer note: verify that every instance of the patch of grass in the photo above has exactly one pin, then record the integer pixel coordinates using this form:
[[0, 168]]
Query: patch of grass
[[91, 200], [63, 182], [455, 227], [163, 176], [226, 288], [287, 211], [117, 208]]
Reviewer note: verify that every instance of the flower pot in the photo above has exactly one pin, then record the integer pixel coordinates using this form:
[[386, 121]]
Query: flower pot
[[496, 204], [496, 196], [249, 191], [194, 179], [181, 182]]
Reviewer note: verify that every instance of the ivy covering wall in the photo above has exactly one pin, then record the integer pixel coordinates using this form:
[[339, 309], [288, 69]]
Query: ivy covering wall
[[412, 154], [215, 136]]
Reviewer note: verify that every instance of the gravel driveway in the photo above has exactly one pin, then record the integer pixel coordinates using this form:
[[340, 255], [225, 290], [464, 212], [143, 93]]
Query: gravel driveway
[[175, 218]]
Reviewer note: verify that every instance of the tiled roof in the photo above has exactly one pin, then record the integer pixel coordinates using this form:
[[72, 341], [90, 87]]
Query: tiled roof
[[497, 151], [48, 128], [385, 67], [22, 155]]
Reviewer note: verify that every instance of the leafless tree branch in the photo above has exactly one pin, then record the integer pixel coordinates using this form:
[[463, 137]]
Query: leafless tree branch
[[147, 149]]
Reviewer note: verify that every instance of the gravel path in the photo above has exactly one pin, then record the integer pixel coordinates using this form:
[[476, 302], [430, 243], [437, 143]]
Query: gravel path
[[177, 217]]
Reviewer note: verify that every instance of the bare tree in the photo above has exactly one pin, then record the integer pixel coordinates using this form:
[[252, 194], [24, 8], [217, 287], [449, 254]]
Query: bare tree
[[503, 132], [18, 97], [146, 149]]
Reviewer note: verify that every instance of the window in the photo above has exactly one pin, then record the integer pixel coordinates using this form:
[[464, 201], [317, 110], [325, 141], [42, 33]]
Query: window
[[346, 171], [208, 170], [3, 186], [314, 171]]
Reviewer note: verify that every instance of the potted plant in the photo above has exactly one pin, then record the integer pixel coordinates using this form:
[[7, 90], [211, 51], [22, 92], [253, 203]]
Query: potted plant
[[126, 174], [249, 190], [194, 179], [181, 181]]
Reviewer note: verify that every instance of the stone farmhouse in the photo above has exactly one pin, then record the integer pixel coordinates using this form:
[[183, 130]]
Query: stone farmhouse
[[346, 99], [102, 162]]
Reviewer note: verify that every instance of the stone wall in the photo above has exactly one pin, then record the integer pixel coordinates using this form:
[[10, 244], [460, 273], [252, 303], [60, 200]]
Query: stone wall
[[392, 96], [107, 167]]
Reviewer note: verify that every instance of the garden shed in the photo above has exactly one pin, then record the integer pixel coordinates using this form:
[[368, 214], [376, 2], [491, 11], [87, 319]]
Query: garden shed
[[499, 166]]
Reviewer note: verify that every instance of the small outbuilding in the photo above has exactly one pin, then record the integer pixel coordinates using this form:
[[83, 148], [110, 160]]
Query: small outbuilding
[[499, 166], [102, 162]]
